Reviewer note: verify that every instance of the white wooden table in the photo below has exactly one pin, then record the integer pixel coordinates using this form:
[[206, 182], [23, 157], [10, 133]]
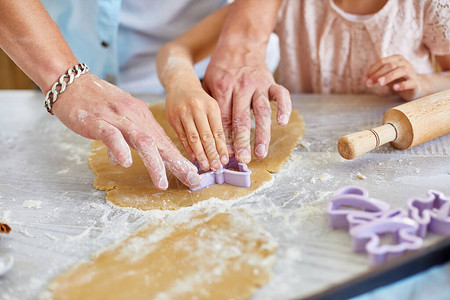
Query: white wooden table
[[67, 219]]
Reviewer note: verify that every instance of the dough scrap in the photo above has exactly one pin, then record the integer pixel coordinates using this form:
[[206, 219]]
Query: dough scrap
[[207, 253], [132, 187]]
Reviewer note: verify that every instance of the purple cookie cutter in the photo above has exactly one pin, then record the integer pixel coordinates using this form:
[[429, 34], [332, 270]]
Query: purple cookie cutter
[[367, 235], [350, 202], [368, 219], [432, 214], [225, 174]]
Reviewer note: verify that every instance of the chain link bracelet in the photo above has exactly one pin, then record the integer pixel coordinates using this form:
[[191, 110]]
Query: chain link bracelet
[[64, 81]]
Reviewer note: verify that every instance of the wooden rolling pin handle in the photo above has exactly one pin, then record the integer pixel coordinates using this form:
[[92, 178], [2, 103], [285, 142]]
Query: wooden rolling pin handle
[[358, 143]]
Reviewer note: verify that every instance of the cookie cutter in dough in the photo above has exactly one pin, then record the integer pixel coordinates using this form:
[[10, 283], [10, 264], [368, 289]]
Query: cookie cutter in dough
[[234, 173], [6, 263], [432, 214]]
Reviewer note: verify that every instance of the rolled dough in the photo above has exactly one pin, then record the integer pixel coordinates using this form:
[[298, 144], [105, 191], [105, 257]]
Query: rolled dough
[[132, 187], [207, 253]]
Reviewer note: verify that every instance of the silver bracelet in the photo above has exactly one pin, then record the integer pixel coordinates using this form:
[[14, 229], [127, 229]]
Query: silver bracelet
[[64, 81]]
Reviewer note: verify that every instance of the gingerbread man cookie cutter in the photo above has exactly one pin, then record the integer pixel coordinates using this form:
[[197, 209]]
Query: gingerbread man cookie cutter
[[367, 234], [432, 214], [234, 173], [368, 220]]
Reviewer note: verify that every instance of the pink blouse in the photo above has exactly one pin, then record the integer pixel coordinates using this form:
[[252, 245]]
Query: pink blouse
[[325, 50]]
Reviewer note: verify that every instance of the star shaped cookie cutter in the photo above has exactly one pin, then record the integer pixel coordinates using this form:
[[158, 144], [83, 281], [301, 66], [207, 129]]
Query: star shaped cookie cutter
[[234, 173]]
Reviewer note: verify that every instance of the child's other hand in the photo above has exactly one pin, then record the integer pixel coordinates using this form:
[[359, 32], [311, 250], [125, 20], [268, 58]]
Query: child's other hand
[[195, 117], [396, 72]]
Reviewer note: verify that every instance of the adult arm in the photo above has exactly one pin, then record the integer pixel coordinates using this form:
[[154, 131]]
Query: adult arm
[[238, 78], [90, 107]]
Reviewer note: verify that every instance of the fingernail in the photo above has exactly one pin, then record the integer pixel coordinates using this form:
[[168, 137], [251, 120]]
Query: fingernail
[[243, 155], [224, 159], [260, 150], [215, 165], [381, 80], [193, 179], [163, 184], [283, 119], [369, 82]]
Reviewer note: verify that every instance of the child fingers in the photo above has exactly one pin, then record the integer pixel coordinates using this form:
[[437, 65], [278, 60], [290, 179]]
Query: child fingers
[[395, 74], [376, 66], [281, 96], [405, 85], [207, 140], [219, 135], [381, 67], [178, 127], [195, 142], [224, 99]]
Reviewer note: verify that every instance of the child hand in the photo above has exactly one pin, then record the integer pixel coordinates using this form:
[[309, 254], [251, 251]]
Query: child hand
[[396, 72], [195, 117]]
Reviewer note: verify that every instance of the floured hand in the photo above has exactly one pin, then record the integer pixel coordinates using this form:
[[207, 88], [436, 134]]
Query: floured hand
[[98, 110]]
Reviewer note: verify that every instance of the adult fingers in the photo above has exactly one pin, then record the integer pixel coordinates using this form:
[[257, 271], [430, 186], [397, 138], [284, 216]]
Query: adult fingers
[[115, 142], [194, 141], [262, 112], [148, 151], [242, 125], [281, 96], [111, 158], [177, 164]]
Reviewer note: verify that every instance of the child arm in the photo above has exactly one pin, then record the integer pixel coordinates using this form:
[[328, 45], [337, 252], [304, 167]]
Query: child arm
[[193, 114], [398, 73]]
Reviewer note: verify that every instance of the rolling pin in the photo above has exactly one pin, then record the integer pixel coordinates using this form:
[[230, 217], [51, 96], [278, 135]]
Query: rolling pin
[[404, 126]]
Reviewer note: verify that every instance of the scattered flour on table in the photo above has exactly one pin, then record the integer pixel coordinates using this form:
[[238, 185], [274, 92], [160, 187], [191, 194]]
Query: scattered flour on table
[[36, 204], [26, 233]]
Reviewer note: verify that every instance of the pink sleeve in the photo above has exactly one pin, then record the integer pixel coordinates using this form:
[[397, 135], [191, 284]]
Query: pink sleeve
[[436, 26]]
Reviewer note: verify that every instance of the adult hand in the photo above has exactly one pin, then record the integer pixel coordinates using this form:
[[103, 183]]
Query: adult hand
[[240, 85], [98, 110], [195, 117], [396, 72]]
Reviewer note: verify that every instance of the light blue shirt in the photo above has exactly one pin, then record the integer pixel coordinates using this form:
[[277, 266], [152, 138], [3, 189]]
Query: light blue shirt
[[119, 39]]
